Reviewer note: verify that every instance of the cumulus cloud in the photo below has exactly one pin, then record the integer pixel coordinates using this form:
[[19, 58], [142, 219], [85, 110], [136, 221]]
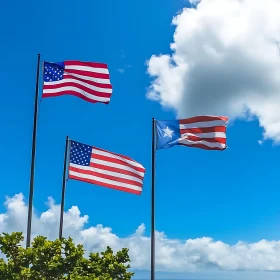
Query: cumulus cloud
[[224, 60], [171, 254], [194, 2]]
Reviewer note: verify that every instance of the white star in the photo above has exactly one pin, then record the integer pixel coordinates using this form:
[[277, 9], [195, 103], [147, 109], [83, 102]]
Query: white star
[[167, 132]]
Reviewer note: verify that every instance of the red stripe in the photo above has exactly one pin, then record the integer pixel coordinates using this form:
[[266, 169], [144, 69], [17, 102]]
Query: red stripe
[[118, 155], [105, 185], [86, 63], [65, 76], [87, 73], [83, 88], [118, 161], [211, 140], [105, 176], [204, 147], [114, 169], [203, 130], [203, 119], [72, 93]]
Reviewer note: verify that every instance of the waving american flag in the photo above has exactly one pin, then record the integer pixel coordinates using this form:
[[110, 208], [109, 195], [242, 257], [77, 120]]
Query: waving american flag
[[103, 168], [87, 80]]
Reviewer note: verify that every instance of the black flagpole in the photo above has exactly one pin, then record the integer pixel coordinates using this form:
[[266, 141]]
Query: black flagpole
[[153, 204], [63, 188], [32, 169]]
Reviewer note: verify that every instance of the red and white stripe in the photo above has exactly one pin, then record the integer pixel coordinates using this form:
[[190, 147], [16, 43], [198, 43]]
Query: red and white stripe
[[110, 170], [205, 132], [87, 80]]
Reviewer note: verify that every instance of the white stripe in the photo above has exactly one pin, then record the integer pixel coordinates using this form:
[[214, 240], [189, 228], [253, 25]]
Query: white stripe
[[119, 157], [106, 172], [206, 143], [206, 135], [87, 68], [116, 165], [102, 180], [88, 95], [87, 78], [203, 124], [106, 90]]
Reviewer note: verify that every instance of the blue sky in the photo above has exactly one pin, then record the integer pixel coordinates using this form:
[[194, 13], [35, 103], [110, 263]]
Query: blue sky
[[230, 196]]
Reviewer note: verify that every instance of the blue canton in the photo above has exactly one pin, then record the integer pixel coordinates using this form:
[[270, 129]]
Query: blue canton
[[168, 134], [53, 71], [80, 153]]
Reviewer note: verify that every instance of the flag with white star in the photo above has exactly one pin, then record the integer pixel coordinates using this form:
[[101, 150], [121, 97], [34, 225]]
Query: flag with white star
[[87, 80], [104, 168], [204, 132]]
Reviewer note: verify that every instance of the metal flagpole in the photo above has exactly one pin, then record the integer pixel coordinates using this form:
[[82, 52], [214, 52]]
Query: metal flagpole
[[153, 203], [63, 188], [32, 169]]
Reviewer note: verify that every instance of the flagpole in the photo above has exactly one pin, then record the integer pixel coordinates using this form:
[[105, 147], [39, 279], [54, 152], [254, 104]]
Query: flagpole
[[153, 203], [63, 188], [32, 169]]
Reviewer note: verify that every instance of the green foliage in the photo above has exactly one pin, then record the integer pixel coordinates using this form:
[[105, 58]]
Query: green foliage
[[59, 259]]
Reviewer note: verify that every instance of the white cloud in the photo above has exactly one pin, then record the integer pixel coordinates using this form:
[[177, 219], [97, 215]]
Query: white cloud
[[225, 61], [124, 68], [171, 254], [194, 2], [121, 70]]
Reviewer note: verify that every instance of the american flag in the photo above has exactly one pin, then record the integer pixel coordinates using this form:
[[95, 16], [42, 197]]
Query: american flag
[[204, 132], [103, 168], [87, 80]]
